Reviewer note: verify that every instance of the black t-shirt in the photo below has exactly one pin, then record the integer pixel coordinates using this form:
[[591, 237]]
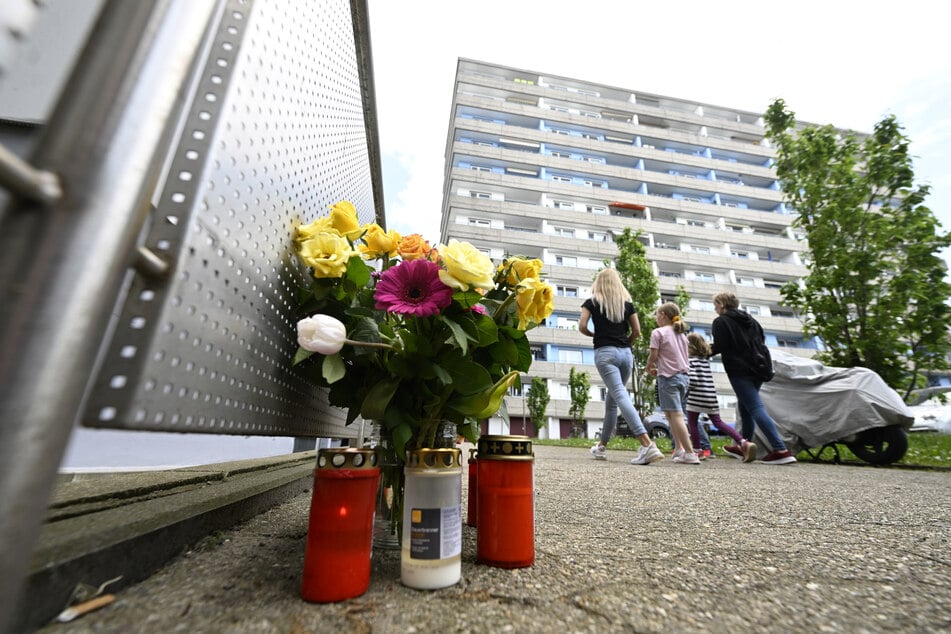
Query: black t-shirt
[[607, 332]]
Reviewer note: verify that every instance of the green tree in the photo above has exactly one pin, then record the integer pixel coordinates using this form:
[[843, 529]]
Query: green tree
[[875, 292], [538, 399], [638, 277], [580, 389]]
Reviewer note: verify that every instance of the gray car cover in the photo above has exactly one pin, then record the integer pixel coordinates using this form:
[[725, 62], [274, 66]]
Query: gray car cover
[[813, 404]]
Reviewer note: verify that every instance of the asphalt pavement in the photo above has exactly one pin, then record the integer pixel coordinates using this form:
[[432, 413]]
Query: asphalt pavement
[[717, 547]]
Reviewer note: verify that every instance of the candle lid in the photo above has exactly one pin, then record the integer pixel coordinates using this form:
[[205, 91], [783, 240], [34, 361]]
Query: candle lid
[[505, 448], [346, 458], [434, 458]]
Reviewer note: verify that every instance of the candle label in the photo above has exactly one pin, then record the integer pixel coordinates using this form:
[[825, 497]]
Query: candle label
[[436, 533]]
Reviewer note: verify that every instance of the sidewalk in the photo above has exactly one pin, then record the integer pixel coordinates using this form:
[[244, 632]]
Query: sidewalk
[[719, 547]]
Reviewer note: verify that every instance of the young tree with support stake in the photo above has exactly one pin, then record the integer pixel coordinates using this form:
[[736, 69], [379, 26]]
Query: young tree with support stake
[[875, 293], [580, 390], [538, 399]]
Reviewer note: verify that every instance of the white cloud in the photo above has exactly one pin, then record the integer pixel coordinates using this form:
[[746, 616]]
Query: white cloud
[[839, 63]]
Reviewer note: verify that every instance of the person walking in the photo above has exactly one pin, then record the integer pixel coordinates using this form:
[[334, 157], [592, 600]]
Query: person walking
[[702, 399], [739, 340], [616, 326], [670, 363]]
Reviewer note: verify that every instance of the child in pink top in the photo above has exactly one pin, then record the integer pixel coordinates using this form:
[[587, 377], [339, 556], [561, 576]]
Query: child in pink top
[[669, 361]]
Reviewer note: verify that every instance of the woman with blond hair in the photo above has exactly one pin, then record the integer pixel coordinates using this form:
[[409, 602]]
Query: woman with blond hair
[[616, 326], [669, 361], [736, 338]]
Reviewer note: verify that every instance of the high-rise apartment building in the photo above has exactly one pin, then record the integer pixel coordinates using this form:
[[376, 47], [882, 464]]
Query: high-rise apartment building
[[553, 168]]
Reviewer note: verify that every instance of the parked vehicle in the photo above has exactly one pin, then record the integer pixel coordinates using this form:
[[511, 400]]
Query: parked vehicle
[[817, 407]]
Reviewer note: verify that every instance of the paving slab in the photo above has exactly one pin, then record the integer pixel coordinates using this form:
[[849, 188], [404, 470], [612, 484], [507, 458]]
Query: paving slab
[[718, 547]]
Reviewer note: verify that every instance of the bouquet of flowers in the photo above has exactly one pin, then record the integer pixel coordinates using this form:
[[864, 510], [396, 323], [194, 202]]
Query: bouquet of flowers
[[425, 337]]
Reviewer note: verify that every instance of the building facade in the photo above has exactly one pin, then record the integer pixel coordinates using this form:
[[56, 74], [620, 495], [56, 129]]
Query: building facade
[[553, 168]]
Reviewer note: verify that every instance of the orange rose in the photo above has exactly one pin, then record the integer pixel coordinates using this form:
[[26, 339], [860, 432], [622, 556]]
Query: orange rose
[[414, 247]]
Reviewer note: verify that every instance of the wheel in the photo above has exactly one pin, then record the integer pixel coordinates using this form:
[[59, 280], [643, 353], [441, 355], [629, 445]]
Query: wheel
[[658, 432], [880, 445]]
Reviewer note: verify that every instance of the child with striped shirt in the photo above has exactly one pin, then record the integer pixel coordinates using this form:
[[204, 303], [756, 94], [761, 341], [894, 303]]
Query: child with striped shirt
[[702, 398]]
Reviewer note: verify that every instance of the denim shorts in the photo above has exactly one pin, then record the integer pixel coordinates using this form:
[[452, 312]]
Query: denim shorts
[[672, 391]]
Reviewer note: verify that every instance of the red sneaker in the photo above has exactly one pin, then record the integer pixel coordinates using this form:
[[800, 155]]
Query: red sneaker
[[779, 457]]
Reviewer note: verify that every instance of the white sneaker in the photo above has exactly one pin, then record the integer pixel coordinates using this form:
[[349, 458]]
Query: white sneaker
[[686, 458], [599, 452], [648, 455]]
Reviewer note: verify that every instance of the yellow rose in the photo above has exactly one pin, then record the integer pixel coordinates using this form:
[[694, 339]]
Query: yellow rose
[[378, 243], [518, 269], [327, 253], [321, 225], [343, 218], [535, 303], [414, 247], [466, 266]]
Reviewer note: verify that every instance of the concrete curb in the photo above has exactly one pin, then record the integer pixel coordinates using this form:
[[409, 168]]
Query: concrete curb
[[105, 526]]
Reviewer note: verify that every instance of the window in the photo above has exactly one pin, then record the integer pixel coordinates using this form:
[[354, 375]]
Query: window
[[743, 255], [479, 222], [696, 223], [670, 274], [561, 179], [754, 310], [595, 159], [787, 343], [702, 250], [558, 109], [705, 305], [730, 205], [737, 228], [480, 168], [587, 93], [692, 199], [563, 204], [482, 195], [564, 260], [569, 356], [597, 209], [564, 232], [597, 236], [772, 284], [704, 277], [746, 281], [595, 183], [561, 155], [567, 323], [590, 137], [593, 115], [566, 291], [560, 131]]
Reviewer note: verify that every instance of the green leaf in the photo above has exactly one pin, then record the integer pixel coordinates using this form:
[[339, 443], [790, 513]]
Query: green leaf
[[487, 403], [459, 335], [379, 396], [302, 355], [333, 368]]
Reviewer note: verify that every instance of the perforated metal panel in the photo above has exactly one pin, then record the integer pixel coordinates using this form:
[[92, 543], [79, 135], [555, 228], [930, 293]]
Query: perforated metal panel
[[276, 133]]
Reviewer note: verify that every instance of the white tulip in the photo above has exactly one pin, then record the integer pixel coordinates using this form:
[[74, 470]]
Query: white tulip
[[321, 333]]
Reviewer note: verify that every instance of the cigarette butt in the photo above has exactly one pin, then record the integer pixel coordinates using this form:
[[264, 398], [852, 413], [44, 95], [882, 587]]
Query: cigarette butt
[[77, 611]]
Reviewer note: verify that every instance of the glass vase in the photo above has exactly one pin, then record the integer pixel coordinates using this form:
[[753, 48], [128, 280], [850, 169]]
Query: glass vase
[[389, 498]]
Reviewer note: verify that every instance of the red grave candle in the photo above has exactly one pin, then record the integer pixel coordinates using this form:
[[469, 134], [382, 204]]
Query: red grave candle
[[506, 502], [340, 532]]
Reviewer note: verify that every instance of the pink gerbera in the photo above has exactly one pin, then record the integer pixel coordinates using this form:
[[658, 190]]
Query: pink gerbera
[[412, 288]]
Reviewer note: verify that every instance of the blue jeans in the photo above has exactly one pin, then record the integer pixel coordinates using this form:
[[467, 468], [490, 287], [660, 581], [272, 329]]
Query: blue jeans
[[614, 365], [752, 411]]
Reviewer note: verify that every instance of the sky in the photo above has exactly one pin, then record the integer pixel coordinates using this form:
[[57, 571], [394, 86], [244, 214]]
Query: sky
[[849, 64]]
